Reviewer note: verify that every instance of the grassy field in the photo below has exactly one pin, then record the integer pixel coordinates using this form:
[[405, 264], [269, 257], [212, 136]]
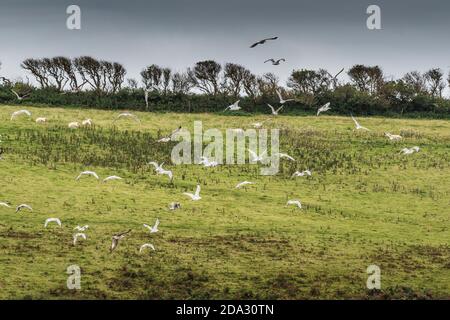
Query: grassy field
[[365, 204]]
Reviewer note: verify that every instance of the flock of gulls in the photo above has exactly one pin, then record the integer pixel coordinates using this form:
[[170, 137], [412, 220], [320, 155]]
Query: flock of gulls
[[80, 231]]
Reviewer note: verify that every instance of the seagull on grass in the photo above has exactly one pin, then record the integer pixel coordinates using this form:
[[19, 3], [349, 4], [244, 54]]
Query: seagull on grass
[[146, 245], [116, 238], [393, 137], [78, 235], [206, 163], [56, 220], [195, 196], [81, 228], [128, 115], [74, 125], [301, 174], [174, 206], [242, 184], [41, 120], [284, 156], [410, 150], [294, 202], [4, 204]]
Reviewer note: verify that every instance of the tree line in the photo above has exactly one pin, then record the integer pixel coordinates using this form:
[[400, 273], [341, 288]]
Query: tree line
[[87, 81]]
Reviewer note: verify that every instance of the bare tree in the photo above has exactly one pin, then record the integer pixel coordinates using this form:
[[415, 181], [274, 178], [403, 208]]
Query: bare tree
[[181, 83], [367, 79], [309, 81], [151, 77], [234, 74], [91, 71], [206, 76], [435, 81], [417, 81], [250, 84], [38, 70], [166, 77]]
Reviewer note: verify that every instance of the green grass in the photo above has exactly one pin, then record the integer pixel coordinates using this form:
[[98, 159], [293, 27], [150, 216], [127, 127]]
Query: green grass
[[365, 204]]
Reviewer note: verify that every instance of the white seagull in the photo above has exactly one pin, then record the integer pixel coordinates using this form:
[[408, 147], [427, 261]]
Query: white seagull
[[110, 178], [206, 163], [301, 174], [294, 202], [87, 122], [81, 228], [258, 125], [285, 156], [255, 158], [283, 101], [23, 206], [20, 98], [146, 245], [159, 170], [358, 126], [73, 125], [174, 206], [4, 204], [56, 220], [41, 120], [78, 235], [153, 229], [233, 107], [127, 115], [20, 112], [274, 112], [244, 183], [196, 195], [393, 137], [116, 238], [87, 173], [410, 150], [324, 108]]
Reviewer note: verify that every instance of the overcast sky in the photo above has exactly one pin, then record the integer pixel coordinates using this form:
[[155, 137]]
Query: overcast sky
[[177, 33]]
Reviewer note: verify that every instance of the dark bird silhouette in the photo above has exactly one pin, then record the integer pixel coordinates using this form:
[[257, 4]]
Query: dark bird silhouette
[[275, 62], [262, 41]]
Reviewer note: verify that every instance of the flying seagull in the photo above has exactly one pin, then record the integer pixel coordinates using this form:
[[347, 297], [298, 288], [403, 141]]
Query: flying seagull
[[20, 112], [275, 112], [159, 170], [393, 137], [116, 238], [196, 195], [146, 245], [81, 228], [206, 163], [87, 173], [301, 174], [23, 206], [285, 156], [242, 184], [20, 98], [4, 204], [410, 150], [275, 62], [262, 41], [127, 115], [257, 158], [78, 235], [112, 178], [323, 108], [153, 229], [56, 220], [283, 101], [170, 136], [358, 126], [294, 202], [233, 107]]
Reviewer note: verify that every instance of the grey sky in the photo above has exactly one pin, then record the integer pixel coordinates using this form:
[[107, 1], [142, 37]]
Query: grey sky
[[177, 33]]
